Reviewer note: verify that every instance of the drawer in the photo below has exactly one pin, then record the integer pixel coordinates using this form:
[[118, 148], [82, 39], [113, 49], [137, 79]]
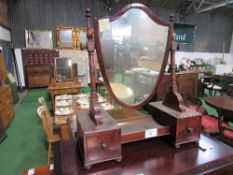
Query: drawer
[[37, 69], [188, 129], [38, 81], [102, 145], [6, 94]]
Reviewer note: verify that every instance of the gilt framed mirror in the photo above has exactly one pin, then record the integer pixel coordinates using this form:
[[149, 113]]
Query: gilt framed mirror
[[66, 37], [81, 37], [132, 58], [39, 39], [63, 69]]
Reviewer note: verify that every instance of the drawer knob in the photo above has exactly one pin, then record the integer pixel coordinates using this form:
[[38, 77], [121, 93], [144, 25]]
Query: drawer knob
[[190, 131], [104, 146]]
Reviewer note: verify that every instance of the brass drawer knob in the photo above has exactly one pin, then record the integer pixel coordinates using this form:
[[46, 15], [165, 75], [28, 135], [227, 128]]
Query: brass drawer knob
[[190, 131], [104, 146]]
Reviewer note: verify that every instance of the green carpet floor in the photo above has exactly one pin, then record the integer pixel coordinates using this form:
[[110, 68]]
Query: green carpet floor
[[209, 109], [25, 145]]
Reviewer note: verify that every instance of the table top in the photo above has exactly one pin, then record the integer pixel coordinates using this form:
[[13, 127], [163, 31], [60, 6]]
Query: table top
[[66, 85], [150, 156], [220, 102], [76, 107]]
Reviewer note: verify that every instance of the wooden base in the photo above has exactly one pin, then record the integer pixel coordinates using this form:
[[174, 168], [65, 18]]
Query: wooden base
[[184, 126], [151, 156], [140, 128], [98, 143], [137, 126]]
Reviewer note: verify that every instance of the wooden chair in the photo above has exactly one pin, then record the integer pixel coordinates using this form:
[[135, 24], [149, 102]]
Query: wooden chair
[[204, 83], [229, 91], [42, 102], [48, 128], [226, 130], [217, 85], [63, 129]]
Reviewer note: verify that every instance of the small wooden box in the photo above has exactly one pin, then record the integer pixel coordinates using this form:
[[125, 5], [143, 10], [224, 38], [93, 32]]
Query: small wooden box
[[98, 143], [184, 126]]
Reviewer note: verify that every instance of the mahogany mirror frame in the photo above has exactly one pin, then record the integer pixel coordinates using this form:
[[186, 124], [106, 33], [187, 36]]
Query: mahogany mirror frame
[[165, 58]]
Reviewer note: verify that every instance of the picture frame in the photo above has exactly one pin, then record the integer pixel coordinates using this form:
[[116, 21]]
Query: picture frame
[[66, 37], [81, 37], [63, 69], [38, 38]]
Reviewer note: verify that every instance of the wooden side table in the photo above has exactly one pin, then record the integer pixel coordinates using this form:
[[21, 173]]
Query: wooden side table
[[64, 88]]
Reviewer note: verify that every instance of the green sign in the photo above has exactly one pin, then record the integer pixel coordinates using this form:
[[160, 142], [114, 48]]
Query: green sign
[[184, 33]]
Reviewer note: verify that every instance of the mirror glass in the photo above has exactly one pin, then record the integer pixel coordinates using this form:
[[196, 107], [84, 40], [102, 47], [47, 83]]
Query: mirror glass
[[38, 39], [133, 50], [66, 38], [63, 69]]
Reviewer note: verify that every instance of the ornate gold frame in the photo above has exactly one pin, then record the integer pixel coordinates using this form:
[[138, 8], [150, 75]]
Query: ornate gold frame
[[79, 39], [59, 29]]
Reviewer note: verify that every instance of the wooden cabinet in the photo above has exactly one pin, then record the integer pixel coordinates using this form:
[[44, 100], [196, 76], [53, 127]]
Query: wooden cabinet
[[186, 83], [6, 105], [37, 75], [3, 70]]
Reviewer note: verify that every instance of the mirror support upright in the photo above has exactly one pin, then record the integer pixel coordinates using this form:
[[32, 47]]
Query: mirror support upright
[[95, 111], [173, 99]]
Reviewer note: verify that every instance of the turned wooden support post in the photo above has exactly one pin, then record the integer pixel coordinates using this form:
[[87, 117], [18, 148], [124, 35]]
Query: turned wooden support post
[[173, 99], [172, 55], [94, 109]]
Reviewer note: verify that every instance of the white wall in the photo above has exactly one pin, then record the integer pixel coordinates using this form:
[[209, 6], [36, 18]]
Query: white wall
[[19, 61], [231, 49], [79, 57]]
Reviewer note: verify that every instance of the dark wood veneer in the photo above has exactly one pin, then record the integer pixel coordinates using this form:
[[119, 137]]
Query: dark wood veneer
[[98, 143], [100, 137], [154, 156], [187, 83], [184, 126]]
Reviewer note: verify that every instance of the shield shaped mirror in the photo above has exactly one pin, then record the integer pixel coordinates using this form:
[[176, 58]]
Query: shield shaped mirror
[[132, 51]]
